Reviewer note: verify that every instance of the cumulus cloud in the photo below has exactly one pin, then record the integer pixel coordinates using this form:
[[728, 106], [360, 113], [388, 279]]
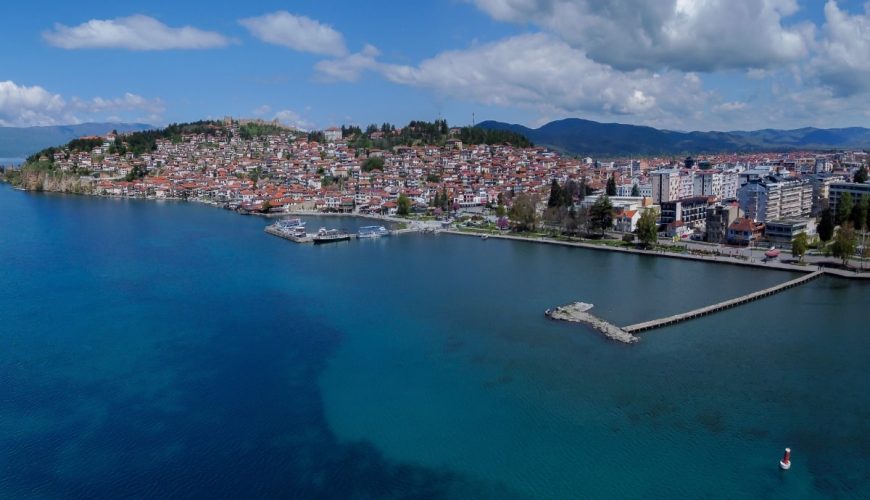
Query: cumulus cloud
[[536, 71], [348, 68], [22, 105], [844, 52], [296, 32], [135, 32], [690, 35]]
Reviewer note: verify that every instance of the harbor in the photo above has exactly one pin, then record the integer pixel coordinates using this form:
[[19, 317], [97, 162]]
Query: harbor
[[294, 230]]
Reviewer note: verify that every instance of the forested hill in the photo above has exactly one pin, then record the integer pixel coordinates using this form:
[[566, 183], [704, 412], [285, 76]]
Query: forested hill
[[579, 136], [437, 133]]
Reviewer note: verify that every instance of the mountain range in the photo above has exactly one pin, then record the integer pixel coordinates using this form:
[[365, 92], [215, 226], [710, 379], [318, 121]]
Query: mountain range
[[20, 142], [586, 137]]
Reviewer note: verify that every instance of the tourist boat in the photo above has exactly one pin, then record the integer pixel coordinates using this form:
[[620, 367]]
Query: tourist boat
[[372, 232], [290, 224], [329, 235], [772, 253]]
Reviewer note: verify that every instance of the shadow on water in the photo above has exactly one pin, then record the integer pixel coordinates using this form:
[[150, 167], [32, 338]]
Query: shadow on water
[[224, 431]]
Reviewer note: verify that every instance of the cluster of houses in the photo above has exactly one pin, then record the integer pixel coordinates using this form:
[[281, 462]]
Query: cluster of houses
[[718, 198]]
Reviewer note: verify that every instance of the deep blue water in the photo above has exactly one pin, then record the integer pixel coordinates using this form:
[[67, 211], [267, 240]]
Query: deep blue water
[[167, 349]]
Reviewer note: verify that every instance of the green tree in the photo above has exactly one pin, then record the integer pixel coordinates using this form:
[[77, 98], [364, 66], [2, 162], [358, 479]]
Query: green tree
[[404, 205], [611, 186], [859, 213], [373, 163], [523, 212], [601, 214], [861, 175], [556, 197], [635, 191], [845, 243], [647, 228], [826, 225], [844, 208], [799, 246], [500, 211], [266, 206]]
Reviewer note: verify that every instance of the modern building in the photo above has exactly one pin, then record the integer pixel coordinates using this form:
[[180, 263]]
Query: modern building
[[665, 184], [784, 231], [838, 189], [691, 211], [773, 198], [718, 183], [821, 189], [718, 218]]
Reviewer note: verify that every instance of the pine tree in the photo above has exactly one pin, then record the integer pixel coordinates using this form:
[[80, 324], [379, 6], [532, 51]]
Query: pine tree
[[826, 225], [611, 186], [556, 198]]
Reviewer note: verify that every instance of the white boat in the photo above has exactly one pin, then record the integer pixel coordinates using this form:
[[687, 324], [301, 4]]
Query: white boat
[[372, 232], [290, 224]]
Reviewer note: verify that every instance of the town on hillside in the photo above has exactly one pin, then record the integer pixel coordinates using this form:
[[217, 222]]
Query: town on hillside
[[738, 199]]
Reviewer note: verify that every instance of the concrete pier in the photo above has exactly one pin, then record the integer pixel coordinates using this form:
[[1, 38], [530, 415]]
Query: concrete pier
[[578, 313], [704, 311]]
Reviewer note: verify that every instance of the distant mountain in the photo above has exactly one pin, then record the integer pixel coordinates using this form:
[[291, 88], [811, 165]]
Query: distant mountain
[[20, 142], [574, 135]]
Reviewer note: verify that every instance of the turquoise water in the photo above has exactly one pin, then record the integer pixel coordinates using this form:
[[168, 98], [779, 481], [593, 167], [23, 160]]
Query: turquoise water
[[167, 349]]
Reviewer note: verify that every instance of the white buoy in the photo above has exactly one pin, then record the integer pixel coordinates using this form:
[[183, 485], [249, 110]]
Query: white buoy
[[785, 463]]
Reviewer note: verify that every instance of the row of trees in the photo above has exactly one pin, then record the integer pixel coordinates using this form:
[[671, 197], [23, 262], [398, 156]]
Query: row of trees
[[423, 132]]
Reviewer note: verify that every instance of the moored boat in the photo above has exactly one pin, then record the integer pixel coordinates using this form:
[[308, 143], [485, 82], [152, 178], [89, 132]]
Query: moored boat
[[372, 232], [330, 235]]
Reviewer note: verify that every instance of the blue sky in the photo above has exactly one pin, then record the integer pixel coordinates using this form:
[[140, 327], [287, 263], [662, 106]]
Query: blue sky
[[679, 64]]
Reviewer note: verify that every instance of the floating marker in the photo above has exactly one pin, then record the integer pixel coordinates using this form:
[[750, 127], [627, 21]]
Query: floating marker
[[785, 463]]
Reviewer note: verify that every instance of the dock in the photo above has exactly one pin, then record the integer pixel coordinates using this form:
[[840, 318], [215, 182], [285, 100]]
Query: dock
[[721, 306], [309, 238], [578, 313]]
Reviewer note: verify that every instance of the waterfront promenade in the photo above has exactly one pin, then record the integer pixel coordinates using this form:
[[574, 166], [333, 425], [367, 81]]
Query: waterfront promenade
[[721, 259]]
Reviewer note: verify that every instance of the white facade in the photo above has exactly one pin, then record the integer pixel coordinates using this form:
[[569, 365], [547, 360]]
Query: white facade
[[665, 185]]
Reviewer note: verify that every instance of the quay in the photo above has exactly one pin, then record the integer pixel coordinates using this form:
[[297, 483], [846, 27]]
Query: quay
[[704, 311]]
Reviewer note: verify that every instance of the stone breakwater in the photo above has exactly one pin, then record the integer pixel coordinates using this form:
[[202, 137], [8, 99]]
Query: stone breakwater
[[578, 313]]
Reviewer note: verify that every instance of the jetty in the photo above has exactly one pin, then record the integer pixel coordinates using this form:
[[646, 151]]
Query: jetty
[[578, 313], [721, 306]]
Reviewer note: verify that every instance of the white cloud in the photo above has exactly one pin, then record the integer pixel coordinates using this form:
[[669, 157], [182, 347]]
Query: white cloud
[[535, 71], [296, 32], [293, 119], [348, 68], [22, 106], [135, 32], [690, 35], [730, 106], [843, 59]]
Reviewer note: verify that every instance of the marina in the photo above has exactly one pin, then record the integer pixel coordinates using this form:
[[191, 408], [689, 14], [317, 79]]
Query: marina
[[294, 230]]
